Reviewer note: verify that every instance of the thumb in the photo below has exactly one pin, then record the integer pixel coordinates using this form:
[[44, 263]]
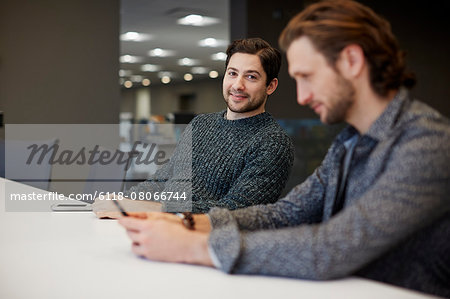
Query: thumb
[[140, 215]]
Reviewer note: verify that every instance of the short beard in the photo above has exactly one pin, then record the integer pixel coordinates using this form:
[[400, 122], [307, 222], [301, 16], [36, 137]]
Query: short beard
[[344, 98], [251, 106]]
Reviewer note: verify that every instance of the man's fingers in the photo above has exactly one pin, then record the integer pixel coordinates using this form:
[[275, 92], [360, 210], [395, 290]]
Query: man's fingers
[[138, 249], [135, 236], [140, 215], [108, 215], [131, 223]]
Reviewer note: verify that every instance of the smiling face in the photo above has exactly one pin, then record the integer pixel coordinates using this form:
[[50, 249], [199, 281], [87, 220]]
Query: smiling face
[[319, 86], [244, 86]]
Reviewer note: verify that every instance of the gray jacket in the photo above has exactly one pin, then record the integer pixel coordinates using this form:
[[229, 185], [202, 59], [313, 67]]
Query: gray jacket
[[397, 197]]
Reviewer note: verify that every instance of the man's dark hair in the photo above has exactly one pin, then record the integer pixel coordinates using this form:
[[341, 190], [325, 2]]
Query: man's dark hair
[[333, 25], [270, 57]]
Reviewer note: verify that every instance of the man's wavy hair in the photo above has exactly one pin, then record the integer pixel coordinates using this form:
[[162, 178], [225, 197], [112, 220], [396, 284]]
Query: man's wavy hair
[[332, 25], [270, 57]]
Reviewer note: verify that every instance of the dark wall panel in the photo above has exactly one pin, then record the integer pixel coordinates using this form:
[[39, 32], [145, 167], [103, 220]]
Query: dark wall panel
[[421, 28], [59, 61]]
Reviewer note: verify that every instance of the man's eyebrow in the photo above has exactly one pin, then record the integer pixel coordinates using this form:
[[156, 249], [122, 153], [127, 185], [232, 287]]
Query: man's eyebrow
[[246, 72], [297, 72], [252, 72]]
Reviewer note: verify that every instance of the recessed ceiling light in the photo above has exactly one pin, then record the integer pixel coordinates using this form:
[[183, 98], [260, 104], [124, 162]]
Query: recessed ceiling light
[[158, 52], [131, 35], [212, 42], [150, 68], [213, 74], [221, 56], [136, 78], [187, 61], [130, 59], [199, 70], [135, 36], [124, 73], [197, 20], [167, 74], [188, 77], [146, 82], [192, 19], [165, 79], [128, 84]]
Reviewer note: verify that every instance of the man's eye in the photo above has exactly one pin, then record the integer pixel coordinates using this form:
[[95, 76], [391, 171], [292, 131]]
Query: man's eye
[[252, 77], [232, 73]]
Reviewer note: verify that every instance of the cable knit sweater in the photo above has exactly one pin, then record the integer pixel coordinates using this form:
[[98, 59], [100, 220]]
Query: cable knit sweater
[[235, 164]]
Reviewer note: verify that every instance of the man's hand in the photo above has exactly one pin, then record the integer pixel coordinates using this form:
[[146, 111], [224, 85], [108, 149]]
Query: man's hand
[[163, 238], [104, 208], [202, 223]]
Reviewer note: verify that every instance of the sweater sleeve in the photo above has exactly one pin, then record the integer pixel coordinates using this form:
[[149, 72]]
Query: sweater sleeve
[[157, 182], [303, 204], [410, 194], [267, 166]]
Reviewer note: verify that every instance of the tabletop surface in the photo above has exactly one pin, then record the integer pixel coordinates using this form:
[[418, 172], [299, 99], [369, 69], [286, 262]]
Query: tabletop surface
[[76, 255]]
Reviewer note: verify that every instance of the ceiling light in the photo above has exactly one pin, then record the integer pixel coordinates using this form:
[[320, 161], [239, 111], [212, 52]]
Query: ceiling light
[[192, 19], [150, 68], [197, 20], [221, 56], [213, 74], [128, 84], [129, 36], [188, 77], [165, 79], [135, 36], [212, 42], [124, 73], [208, 42], [187, 61], [166, 73], [146, 82], [136, 78], [158, 52], [199, 70], [130, 59]]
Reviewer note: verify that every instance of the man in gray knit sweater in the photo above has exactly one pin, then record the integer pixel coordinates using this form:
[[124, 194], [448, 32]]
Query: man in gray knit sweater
[[377, 207], [240, 156]]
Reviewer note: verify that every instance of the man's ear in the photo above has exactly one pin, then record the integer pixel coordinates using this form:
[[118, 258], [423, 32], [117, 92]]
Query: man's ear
[[351, 61], [272, 86]]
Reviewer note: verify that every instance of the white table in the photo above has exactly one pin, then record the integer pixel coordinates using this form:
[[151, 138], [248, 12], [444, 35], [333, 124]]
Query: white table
[[74, 255]]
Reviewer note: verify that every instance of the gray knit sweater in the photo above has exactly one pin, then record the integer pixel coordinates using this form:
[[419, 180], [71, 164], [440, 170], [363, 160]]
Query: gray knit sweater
[[235, 164], [395, 222]]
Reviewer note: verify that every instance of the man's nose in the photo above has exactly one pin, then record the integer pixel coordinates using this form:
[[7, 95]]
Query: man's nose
[[238, 83], [304, 94]]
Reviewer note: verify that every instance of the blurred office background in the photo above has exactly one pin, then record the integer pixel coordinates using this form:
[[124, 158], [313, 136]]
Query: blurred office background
[[150, 61]]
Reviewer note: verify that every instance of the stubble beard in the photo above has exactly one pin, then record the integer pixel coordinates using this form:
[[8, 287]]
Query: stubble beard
[[341, 101], [251, 104]]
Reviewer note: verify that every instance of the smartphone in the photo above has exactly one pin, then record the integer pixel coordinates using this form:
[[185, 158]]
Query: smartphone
[[72, 207]]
